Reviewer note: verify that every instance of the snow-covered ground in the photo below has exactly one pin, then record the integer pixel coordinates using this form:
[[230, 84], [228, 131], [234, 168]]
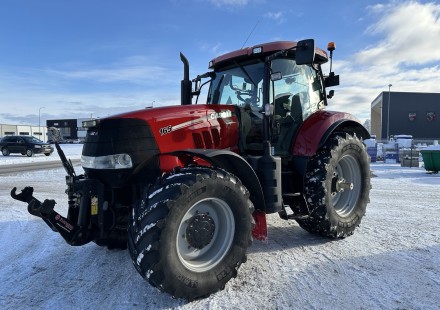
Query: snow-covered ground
[[391, 262]]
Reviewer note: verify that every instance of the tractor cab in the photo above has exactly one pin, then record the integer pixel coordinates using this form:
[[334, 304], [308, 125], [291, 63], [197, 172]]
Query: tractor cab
[[250, 78]]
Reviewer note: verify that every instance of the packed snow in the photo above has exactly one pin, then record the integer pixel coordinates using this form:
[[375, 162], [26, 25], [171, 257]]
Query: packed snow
[[391, 262]]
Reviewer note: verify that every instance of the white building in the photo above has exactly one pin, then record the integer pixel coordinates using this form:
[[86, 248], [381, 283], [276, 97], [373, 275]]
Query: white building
[[39, 132]]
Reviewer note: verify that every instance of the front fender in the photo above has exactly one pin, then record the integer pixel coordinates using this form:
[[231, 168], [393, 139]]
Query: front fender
[[234, 164], [319, 126]]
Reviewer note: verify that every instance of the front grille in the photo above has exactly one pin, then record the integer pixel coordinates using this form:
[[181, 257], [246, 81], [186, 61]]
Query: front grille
[[198, 142], [207, 139], [122, 136], [216, 136]]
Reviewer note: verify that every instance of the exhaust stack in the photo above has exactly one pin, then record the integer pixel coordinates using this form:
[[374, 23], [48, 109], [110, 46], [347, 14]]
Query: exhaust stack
[[185, 84]]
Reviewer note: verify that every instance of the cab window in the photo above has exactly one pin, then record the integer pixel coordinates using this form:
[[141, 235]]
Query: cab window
[[240, 86], [300, 81]]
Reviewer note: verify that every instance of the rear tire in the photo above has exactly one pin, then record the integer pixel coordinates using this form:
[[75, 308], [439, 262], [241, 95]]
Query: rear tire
[[337, 187], [189, 233], [5, 151]]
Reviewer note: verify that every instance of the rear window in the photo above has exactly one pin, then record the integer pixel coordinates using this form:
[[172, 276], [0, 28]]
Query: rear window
[[8, 139]]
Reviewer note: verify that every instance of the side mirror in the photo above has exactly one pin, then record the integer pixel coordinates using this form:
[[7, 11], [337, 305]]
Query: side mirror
[[331, 80], [305, 52]]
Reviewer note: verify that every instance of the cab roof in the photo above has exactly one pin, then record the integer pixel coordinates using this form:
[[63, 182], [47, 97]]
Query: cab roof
[[266, 49]]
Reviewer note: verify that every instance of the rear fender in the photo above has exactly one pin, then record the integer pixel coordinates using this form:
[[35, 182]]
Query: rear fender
[[316, 129], [314, 133]]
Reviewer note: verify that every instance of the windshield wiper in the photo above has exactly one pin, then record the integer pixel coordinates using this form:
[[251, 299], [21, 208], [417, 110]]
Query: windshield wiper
[[245, 72]]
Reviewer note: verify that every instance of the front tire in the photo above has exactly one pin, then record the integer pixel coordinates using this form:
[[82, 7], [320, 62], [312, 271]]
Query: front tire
[[29, 153], [189, 233], [337, 187]]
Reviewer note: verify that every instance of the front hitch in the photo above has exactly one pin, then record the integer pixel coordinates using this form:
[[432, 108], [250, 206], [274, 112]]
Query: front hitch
[[73, 234]]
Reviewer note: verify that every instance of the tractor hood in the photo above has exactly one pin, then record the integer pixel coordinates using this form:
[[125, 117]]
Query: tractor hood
[[120, 147], [192, 126]]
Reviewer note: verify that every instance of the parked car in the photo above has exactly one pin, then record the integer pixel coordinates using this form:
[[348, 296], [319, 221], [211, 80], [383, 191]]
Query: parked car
[[24, 145]]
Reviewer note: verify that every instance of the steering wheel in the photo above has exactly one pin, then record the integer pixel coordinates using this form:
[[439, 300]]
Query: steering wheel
[[252, 100]]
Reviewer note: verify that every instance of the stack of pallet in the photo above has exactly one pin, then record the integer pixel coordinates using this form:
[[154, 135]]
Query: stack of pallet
[[409, 157]]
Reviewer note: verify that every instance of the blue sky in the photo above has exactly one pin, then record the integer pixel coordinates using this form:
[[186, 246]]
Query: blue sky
[[95, 57]]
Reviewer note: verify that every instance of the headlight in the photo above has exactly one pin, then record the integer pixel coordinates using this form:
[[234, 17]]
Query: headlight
[[117, 161], [37, 146]]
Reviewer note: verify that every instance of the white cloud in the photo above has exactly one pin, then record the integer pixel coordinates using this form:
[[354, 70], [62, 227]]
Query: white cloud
[[211, 48], [406, 56], [135, 74], [230, 3], [276, 16], [77, 91], [23, 108], [410, 30], [134, 69]]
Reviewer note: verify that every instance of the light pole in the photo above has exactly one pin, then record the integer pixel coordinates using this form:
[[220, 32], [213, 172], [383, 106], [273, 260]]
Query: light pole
[[39, 114], [388, 114]]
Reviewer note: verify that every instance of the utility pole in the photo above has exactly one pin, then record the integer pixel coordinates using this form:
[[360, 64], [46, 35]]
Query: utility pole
[[39, 127], [388, 114]]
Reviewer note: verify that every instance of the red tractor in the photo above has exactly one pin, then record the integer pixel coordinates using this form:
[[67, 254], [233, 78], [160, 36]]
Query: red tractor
[[188, 187]]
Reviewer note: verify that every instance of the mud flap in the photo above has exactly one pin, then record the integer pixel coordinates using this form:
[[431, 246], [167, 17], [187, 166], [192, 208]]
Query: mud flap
[[260, 229]]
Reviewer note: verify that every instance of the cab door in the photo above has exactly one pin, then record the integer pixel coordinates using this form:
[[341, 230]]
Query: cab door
[[295, 94], [242, 86]]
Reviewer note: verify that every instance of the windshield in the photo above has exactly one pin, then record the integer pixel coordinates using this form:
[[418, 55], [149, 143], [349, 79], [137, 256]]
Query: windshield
[[241, 86]]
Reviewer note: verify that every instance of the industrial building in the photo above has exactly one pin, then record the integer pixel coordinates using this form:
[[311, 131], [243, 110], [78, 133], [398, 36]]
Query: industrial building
[[406, 113], [70, 129], [39, 132]]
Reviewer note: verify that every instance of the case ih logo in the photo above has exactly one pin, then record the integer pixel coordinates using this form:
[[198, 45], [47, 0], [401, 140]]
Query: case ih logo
[[430, 116], [412, 116], [222, 114]]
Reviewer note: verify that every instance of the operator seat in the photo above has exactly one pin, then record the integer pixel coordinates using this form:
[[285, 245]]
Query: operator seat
[[282, 105], [289, 121]]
